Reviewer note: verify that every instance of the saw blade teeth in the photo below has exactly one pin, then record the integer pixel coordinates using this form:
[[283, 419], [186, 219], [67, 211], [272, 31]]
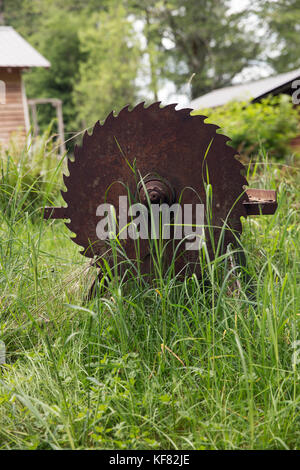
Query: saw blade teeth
[[230, 151], [214, 128], [71, 164], [64, 195], [76, 150], [227, 140], [77, 153], [65, 179], [109, 118], [202, 117], [185, 111], [87, 253], [138, 107], [238, 163], [124, 110], [79, 243], [244, 180], [75, 237], [86, 138], [69, 225], [154, 106], [170, 106], [96, 127]]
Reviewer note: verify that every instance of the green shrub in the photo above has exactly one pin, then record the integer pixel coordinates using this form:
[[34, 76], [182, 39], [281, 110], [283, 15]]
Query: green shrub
[[273, 123]]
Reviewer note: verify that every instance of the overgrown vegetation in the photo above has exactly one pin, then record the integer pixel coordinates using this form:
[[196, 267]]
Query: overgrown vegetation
[[29, 174], [188, 364], [270, 124], [171, 363]]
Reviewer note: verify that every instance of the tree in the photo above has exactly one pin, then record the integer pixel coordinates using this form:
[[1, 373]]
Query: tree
[[107, 76], [52, 27], [60, 44], [23, 15], [199, 37], [282, 18]]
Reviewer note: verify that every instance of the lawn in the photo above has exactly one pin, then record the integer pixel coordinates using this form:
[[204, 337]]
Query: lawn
[[172, 364]]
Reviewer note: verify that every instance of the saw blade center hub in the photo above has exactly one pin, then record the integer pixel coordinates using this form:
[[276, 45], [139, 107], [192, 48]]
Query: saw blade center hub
[[155, 191]]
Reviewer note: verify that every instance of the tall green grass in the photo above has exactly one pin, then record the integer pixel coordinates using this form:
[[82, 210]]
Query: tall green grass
[[170, 364]]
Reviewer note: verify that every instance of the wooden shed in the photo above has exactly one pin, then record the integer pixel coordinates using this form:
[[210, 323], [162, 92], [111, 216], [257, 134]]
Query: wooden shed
[[16, 55]]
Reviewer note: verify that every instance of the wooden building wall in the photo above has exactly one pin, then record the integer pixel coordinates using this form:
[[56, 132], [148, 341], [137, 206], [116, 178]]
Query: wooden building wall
[[295, 143], [13, 114]]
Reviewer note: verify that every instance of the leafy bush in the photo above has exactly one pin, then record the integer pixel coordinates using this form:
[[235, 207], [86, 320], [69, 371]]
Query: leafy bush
[[273, 123]]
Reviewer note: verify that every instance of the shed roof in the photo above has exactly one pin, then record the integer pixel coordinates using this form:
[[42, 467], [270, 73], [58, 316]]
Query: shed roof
[[16, 52], [251, 90]]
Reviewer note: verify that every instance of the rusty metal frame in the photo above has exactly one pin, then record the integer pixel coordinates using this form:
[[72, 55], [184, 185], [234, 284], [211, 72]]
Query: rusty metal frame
[[259, 202]]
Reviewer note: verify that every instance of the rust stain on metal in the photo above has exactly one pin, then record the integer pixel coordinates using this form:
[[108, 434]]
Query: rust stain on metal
[[260, 201]]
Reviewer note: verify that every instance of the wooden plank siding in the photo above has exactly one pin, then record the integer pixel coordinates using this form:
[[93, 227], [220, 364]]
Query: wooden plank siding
[[12, 113], [295, 144]]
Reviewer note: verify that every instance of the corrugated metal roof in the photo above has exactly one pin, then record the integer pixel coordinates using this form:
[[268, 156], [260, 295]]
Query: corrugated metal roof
[[246, 91], [16, 52]]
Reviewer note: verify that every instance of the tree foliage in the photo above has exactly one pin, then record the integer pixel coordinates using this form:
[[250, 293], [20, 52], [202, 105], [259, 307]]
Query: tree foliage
[[282, 19], [201, 38], [109, 71], [60, 43]]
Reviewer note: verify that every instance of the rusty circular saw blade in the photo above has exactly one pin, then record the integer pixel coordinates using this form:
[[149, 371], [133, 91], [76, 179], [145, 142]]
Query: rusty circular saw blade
[[174, 144]]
